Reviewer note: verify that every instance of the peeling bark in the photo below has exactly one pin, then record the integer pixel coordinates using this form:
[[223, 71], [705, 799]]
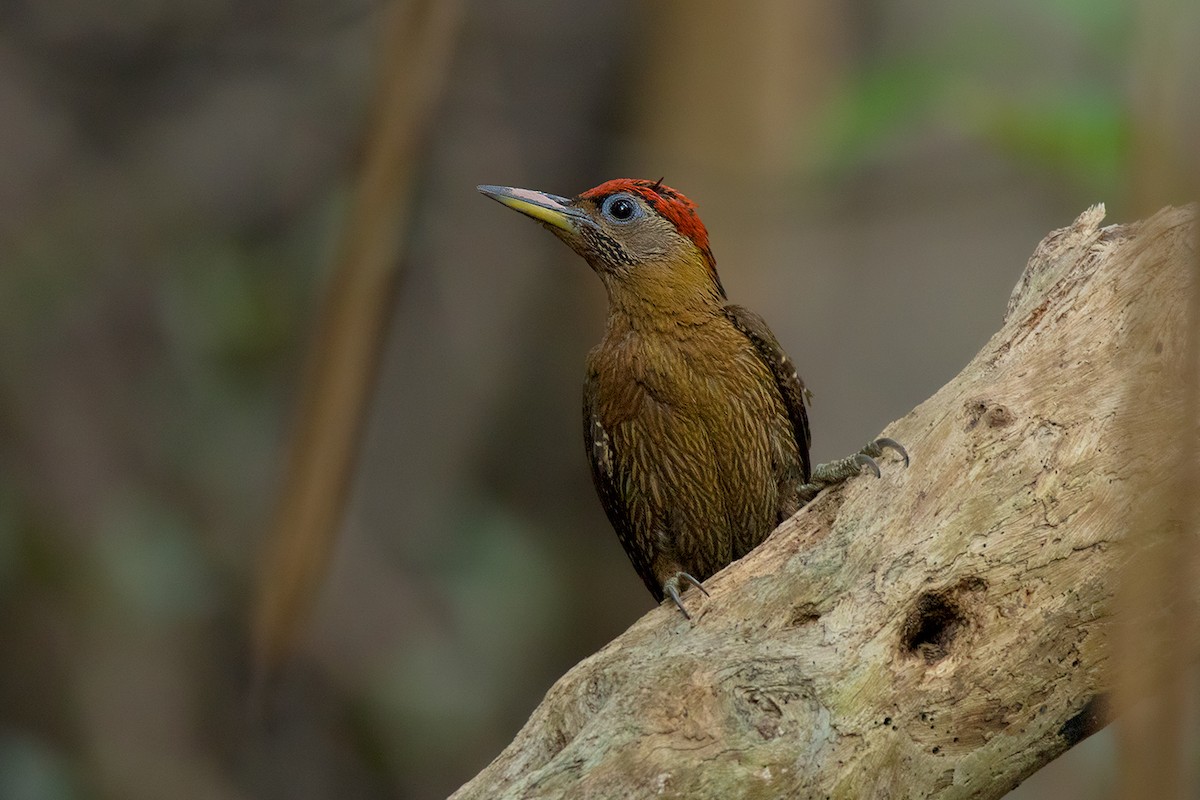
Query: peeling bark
[[940, 632]]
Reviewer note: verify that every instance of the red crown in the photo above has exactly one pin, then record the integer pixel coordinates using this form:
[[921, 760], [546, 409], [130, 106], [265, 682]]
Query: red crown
[[666, 202]]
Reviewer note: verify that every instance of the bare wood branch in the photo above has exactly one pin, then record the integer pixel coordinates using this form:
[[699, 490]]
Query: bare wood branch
[[941, 632]]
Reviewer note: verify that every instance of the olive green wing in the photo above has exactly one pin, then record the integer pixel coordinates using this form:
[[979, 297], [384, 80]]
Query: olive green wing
[[614, 486], [791, 387]]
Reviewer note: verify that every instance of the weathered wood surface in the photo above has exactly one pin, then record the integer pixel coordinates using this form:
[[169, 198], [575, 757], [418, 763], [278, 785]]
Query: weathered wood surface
[[940, 632]]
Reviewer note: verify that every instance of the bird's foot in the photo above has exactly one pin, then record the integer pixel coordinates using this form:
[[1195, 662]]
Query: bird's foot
[[835, 472], [674, 585]]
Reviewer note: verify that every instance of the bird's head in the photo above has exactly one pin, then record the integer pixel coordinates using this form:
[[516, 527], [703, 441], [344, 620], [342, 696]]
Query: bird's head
[[642, 238]]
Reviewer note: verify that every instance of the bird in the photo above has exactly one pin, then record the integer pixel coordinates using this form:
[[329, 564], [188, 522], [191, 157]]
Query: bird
[[695, 419]]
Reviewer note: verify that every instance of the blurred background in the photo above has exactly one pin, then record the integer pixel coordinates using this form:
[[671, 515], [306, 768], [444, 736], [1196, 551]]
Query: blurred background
[[177, 181]]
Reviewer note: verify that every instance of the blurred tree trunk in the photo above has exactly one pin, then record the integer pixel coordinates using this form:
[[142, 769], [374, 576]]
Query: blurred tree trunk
[[942, 632], [416, 46], [1155, 645], [723, 88]]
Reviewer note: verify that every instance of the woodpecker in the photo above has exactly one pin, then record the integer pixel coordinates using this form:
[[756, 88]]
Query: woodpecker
[[694, 417]]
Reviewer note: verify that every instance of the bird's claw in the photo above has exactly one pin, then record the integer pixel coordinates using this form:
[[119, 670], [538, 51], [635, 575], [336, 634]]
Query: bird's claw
[[835, 472], [692, 580], [877, 447], [864, 460], [671, 588]]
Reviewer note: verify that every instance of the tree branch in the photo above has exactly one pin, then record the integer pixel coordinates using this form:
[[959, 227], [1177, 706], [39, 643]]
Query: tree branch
[[941, 632]]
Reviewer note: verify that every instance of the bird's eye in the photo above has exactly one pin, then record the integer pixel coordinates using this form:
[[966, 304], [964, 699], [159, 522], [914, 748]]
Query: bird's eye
[[621, 208]]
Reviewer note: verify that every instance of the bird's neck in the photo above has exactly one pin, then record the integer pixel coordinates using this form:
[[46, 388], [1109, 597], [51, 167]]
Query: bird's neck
[[644, 315], [661, 297]]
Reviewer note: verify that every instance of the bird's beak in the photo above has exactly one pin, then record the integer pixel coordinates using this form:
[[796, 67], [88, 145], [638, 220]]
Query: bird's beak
[[547, 208]]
